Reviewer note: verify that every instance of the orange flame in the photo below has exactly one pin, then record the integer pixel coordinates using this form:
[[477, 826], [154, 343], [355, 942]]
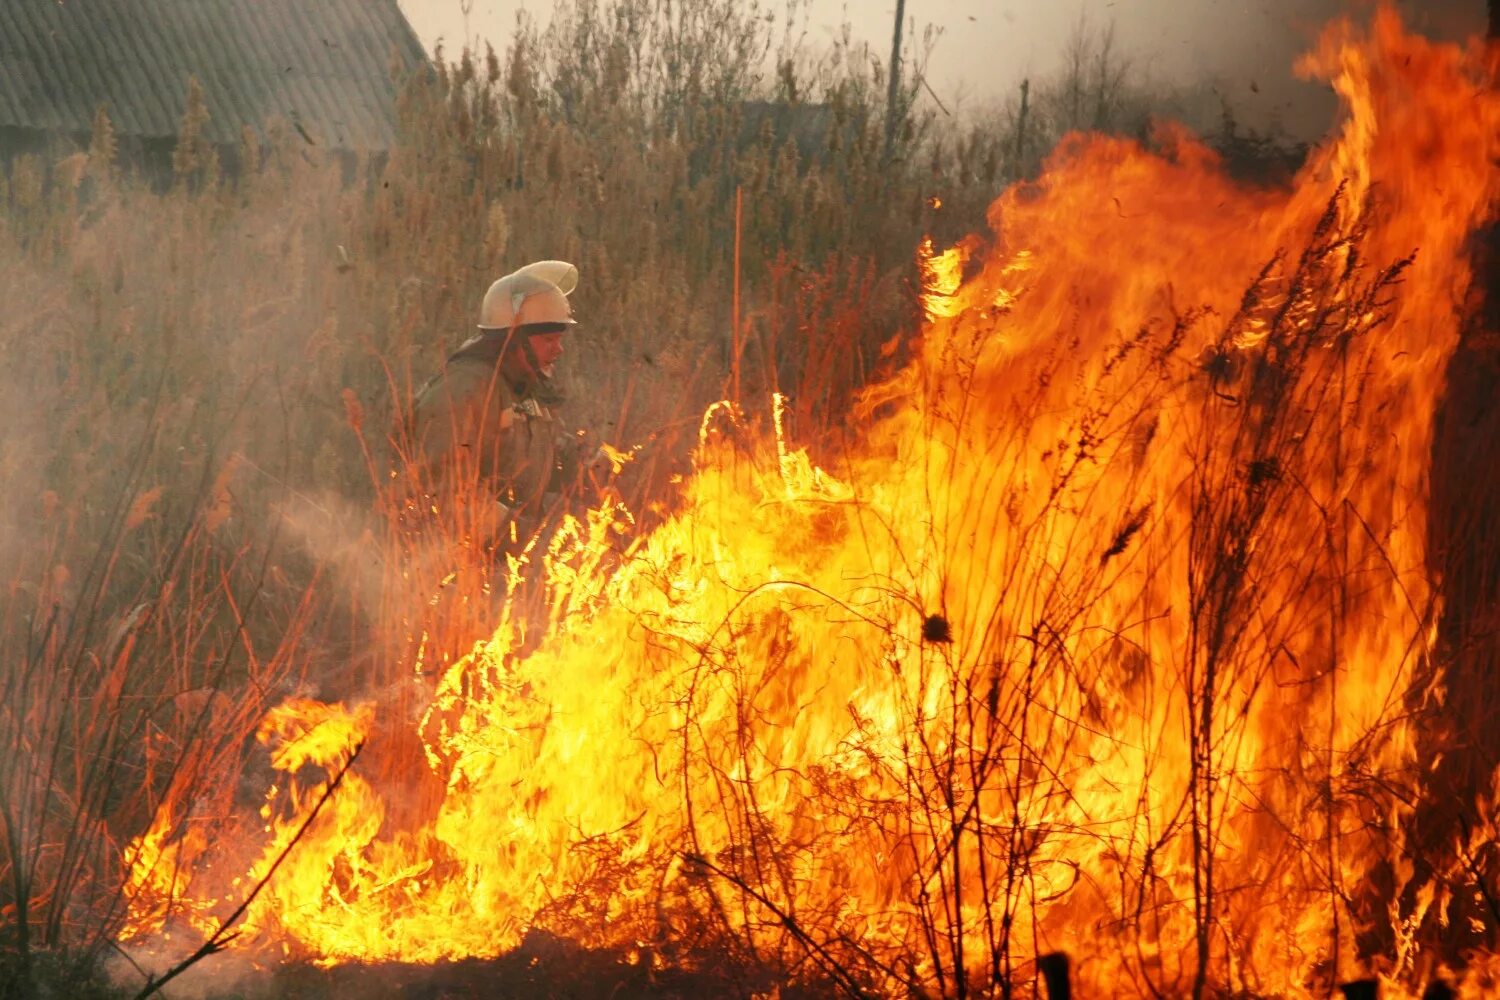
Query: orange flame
[[1099, 644]]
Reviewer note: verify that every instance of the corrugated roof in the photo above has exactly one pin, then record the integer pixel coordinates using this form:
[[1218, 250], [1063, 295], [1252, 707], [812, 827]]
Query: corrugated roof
[[322, 64]]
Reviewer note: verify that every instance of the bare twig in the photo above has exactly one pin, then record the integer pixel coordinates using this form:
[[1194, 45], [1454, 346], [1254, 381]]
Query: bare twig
[[845, 979], [221, 938]]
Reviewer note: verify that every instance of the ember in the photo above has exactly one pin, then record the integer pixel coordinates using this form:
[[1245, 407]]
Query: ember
[[1161, 457]]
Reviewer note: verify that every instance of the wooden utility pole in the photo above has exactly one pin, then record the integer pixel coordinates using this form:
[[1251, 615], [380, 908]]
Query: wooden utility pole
[[893, 87], [1019, 160]]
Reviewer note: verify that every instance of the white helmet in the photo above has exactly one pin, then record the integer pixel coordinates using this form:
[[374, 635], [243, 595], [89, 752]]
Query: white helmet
[[537, 293]]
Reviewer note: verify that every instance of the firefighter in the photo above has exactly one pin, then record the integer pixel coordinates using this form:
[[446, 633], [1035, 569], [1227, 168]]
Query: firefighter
[[490, 452], [482, 463]]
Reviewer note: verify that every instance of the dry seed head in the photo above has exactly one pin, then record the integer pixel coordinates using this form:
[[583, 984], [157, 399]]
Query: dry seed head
[[142, 508], [102, 145], [496, 232]]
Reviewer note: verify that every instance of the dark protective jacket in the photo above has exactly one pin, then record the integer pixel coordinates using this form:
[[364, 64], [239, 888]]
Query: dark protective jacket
[[488, 451]]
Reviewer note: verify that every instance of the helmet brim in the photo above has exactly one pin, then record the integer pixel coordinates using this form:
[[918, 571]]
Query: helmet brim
[[533, 329]]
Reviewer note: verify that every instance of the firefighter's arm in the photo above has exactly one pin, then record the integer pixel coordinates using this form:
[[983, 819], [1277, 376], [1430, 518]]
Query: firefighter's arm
[[586, 467], [456, 469], [448, 415]]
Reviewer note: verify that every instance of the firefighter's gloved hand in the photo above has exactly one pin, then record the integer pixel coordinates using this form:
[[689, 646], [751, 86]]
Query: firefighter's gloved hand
[[599, 469], [609, 459]]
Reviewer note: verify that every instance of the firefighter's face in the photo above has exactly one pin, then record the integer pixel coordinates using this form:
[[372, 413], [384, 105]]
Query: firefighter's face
[[546, 348]]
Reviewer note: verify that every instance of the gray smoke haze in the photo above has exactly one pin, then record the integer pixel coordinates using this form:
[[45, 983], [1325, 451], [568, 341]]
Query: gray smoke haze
[[988, 46]]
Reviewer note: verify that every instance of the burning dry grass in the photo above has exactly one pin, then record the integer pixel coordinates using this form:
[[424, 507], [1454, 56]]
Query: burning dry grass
[[1110, 630]]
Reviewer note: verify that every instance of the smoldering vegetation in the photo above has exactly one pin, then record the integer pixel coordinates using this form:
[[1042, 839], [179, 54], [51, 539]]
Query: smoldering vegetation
[[206, 373]]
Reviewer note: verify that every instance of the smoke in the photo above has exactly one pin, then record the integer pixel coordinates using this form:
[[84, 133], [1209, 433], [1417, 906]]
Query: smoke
[[224, 974], [1247, 51], [22, 449], [1243, 53], [45, 438]]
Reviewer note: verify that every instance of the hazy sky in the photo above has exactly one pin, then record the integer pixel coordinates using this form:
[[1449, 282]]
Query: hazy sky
[[988, 46]]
